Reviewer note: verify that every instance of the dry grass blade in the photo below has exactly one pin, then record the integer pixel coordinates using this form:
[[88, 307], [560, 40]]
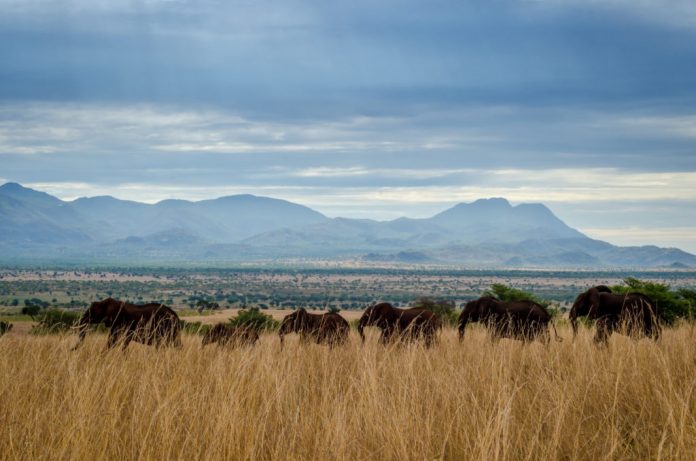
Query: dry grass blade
[[474, 400]]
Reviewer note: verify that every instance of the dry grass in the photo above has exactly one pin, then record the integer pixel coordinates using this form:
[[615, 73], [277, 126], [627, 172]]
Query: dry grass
[[476, 400]]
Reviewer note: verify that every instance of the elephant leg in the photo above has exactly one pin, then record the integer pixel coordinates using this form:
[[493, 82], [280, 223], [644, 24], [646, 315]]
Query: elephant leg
[[113, 339], [385, 337], [175, 340], [427, 338], [603, 331], [115, 335], [127, 338], [656, 331]]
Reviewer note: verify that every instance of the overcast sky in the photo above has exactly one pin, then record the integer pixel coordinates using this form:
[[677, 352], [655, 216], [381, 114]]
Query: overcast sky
[[361, 108]]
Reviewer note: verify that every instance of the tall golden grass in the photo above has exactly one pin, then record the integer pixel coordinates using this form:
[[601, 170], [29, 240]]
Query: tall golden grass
[[475, 400]]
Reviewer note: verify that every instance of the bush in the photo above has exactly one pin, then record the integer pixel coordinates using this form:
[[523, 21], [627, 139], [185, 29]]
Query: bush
[[506, 293], [254, 318], [55, 321], [5, 327], [670, 304], [31, 311], [444, 309], [194, 327], [36, 302], [204, 304], [689, 298]]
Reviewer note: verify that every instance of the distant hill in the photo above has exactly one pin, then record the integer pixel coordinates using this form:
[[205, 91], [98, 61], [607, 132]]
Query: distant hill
[[486, 233], [106, 219]]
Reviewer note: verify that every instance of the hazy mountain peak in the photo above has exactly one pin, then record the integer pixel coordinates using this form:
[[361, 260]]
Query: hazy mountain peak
[[12, 186], [17, 191], [484, 232], [490, 202], [99, 199]]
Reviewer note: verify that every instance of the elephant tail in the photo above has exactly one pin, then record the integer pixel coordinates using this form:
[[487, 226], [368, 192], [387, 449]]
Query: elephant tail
[[555, 333]]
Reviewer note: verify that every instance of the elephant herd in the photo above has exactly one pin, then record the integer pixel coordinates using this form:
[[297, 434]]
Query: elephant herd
[[156, 324]]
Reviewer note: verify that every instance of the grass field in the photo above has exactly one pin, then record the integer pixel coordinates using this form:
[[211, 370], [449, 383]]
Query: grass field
[[476, 400]]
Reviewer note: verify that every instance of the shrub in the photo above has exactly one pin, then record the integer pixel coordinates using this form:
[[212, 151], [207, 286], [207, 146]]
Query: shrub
[[5, 327], [31, 311], [670, 304], [506, 293], [36, 302], [194, 327], [445, 309], [55, 321], [689, 298], [254, 318], [205, 304]]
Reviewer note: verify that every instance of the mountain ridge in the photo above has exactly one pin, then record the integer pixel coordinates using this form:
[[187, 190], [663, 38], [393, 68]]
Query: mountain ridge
[[487, 232]]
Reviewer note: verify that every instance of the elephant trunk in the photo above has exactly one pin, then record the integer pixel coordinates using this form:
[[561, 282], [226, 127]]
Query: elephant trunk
[[284, 327], [361, 330], [462, 327], [82, 329], [574, 323]]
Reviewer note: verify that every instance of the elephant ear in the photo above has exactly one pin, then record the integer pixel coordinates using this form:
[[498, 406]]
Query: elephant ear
[[384, 312], [485, 306], [592, 300]]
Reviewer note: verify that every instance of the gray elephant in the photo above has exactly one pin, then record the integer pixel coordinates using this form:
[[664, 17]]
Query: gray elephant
[[5, 327], [523, 320], [634, 313], [404, 324], [151, 324]]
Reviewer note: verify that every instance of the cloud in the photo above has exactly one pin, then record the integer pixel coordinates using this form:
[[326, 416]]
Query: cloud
[[369, 109], [672, 12], [556, 187], [675, 237], [681, 126]]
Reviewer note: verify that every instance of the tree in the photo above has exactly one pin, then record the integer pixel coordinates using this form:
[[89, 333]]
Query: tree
[[31, 311], [689, 298], [509, 294], [671, 305], [445, 309], [203, 304], [36, 302], [55, 321], [506, 293], [254, 318]]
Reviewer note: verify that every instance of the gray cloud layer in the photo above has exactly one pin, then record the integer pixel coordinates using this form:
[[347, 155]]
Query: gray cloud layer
[[372, 109]]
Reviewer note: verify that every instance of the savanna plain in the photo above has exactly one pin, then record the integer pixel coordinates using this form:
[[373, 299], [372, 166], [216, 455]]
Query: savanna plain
[[474, 399]]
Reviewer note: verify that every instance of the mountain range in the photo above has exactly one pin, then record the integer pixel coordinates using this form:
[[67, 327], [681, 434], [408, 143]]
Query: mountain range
[[35, 226]]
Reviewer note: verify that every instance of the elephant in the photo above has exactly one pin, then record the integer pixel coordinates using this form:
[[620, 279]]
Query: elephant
[[405, 324], [522, 320], [150, 324], [634, 313], [224, 334], [5, 327], [329, 328]]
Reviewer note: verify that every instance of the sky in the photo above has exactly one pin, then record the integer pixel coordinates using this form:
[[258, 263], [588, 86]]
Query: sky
[[370, 109]]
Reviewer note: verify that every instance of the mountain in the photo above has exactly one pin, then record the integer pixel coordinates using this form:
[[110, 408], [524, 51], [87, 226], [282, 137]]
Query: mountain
[[486, 233], [31, 217]]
